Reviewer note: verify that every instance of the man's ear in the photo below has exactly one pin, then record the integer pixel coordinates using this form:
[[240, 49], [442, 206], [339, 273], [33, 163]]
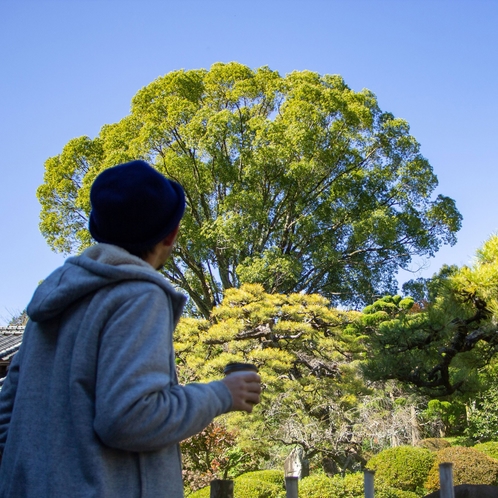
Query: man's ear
[[171, 237]]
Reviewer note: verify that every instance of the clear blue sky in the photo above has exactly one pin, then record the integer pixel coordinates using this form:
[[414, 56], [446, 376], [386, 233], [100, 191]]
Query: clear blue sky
[[70, 66]]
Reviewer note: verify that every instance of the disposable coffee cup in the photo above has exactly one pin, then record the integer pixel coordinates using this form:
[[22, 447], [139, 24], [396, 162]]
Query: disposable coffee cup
[[239, 367]]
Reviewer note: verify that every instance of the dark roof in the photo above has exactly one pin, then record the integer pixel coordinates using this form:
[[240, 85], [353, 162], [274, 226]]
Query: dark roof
[[10, 341]]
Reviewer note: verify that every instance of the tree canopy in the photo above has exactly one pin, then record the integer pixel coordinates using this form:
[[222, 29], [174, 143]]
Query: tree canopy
[[448, 342], [297, 183]]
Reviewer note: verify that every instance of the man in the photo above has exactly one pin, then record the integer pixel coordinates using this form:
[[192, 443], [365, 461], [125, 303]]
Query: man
[[91, 406]]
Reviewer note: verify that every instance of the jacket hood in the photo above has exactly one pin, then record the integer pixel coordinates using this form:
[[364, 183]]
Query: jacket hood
[[97, 267]]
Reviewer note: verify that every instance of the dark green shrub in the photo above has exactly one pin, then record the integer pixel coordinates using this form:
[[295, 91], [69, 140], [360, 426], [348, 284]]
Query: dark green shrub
[[273, 476], [451, 415], [490, 448], [350, 486], [434, 443], [470, 466], [322, 486], [260, 484], [316, 486], [460, 441], [254, 488], [403, 467], [201, 493]]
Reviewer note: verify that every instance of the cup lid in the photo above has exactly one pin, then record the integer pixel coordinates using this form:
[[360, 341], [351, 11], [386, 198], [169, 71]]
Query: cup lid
[[238, 367]]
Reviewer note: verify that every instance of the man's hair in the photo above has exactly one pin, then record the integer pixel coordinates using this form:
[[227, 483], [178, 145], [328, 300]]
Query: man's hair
[[141, 252]]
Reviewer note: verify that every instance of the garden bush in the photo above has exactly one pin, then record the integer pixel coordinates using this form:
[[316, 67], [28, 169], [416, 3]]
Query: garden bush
[[403, 467], [256, 488], [321, 486], [270, 485], [350, 486], [201, 493], [434, 443], [460, 441], [272, 476], [490, 448], [470, 466], [256, 484], [260, 484], [247, 488]]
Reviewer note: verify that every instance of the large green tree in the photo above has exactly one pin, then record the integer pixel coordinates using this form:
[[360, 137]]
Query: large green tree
[[298, 183]]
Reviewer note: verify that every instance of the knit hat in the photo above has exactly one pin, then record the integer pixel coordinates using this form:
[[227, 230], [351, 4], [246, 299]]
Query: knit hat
[[134, 206]]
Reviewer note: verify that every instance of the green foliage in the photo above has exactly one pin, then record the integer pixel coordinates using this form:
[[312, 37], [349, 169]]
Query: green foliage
[[350, 486], [272, 476], [403, 467], [480, 281], [452, 416], [460, 441], [490, 448], [434, 443], [322, 486], [64, 195], [309, 353], [259, 485], [426, 290], [309, 356], [470, 466], [253, 488], [482, 416], [314, 486], [445, 344], [308, 368], [200, 493], [295, 182], [213, 454]]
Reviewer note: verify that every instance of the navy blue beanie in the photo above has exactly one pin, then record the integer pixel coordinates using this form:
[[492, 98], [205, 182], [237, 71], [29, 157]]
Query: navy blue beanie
[[134, 206]]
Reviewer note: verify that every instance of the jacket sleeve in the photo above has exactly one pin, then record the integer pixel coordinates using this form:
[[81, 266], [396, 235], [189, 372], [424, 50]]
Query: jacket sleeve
[[7, 398], [139, 405]]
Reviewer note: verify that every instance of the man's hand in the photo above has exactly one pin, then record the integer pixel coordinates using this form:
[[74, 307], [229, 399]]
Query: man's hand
[[245, 388]]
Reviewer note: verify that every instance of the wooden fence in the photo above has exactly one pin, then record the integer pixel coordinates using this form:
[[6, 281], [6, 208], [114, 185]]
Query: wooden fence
[[224, 488]]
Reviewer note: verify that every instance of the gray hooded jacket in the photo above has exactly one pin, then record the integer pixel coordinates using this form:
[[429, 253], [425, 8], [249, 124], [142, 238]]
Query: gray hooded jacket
[[91, 406]]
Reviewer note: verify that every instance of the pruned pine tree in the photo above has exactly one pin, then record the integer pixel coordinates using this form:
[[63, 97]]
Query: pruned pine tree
[[447, 344]]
